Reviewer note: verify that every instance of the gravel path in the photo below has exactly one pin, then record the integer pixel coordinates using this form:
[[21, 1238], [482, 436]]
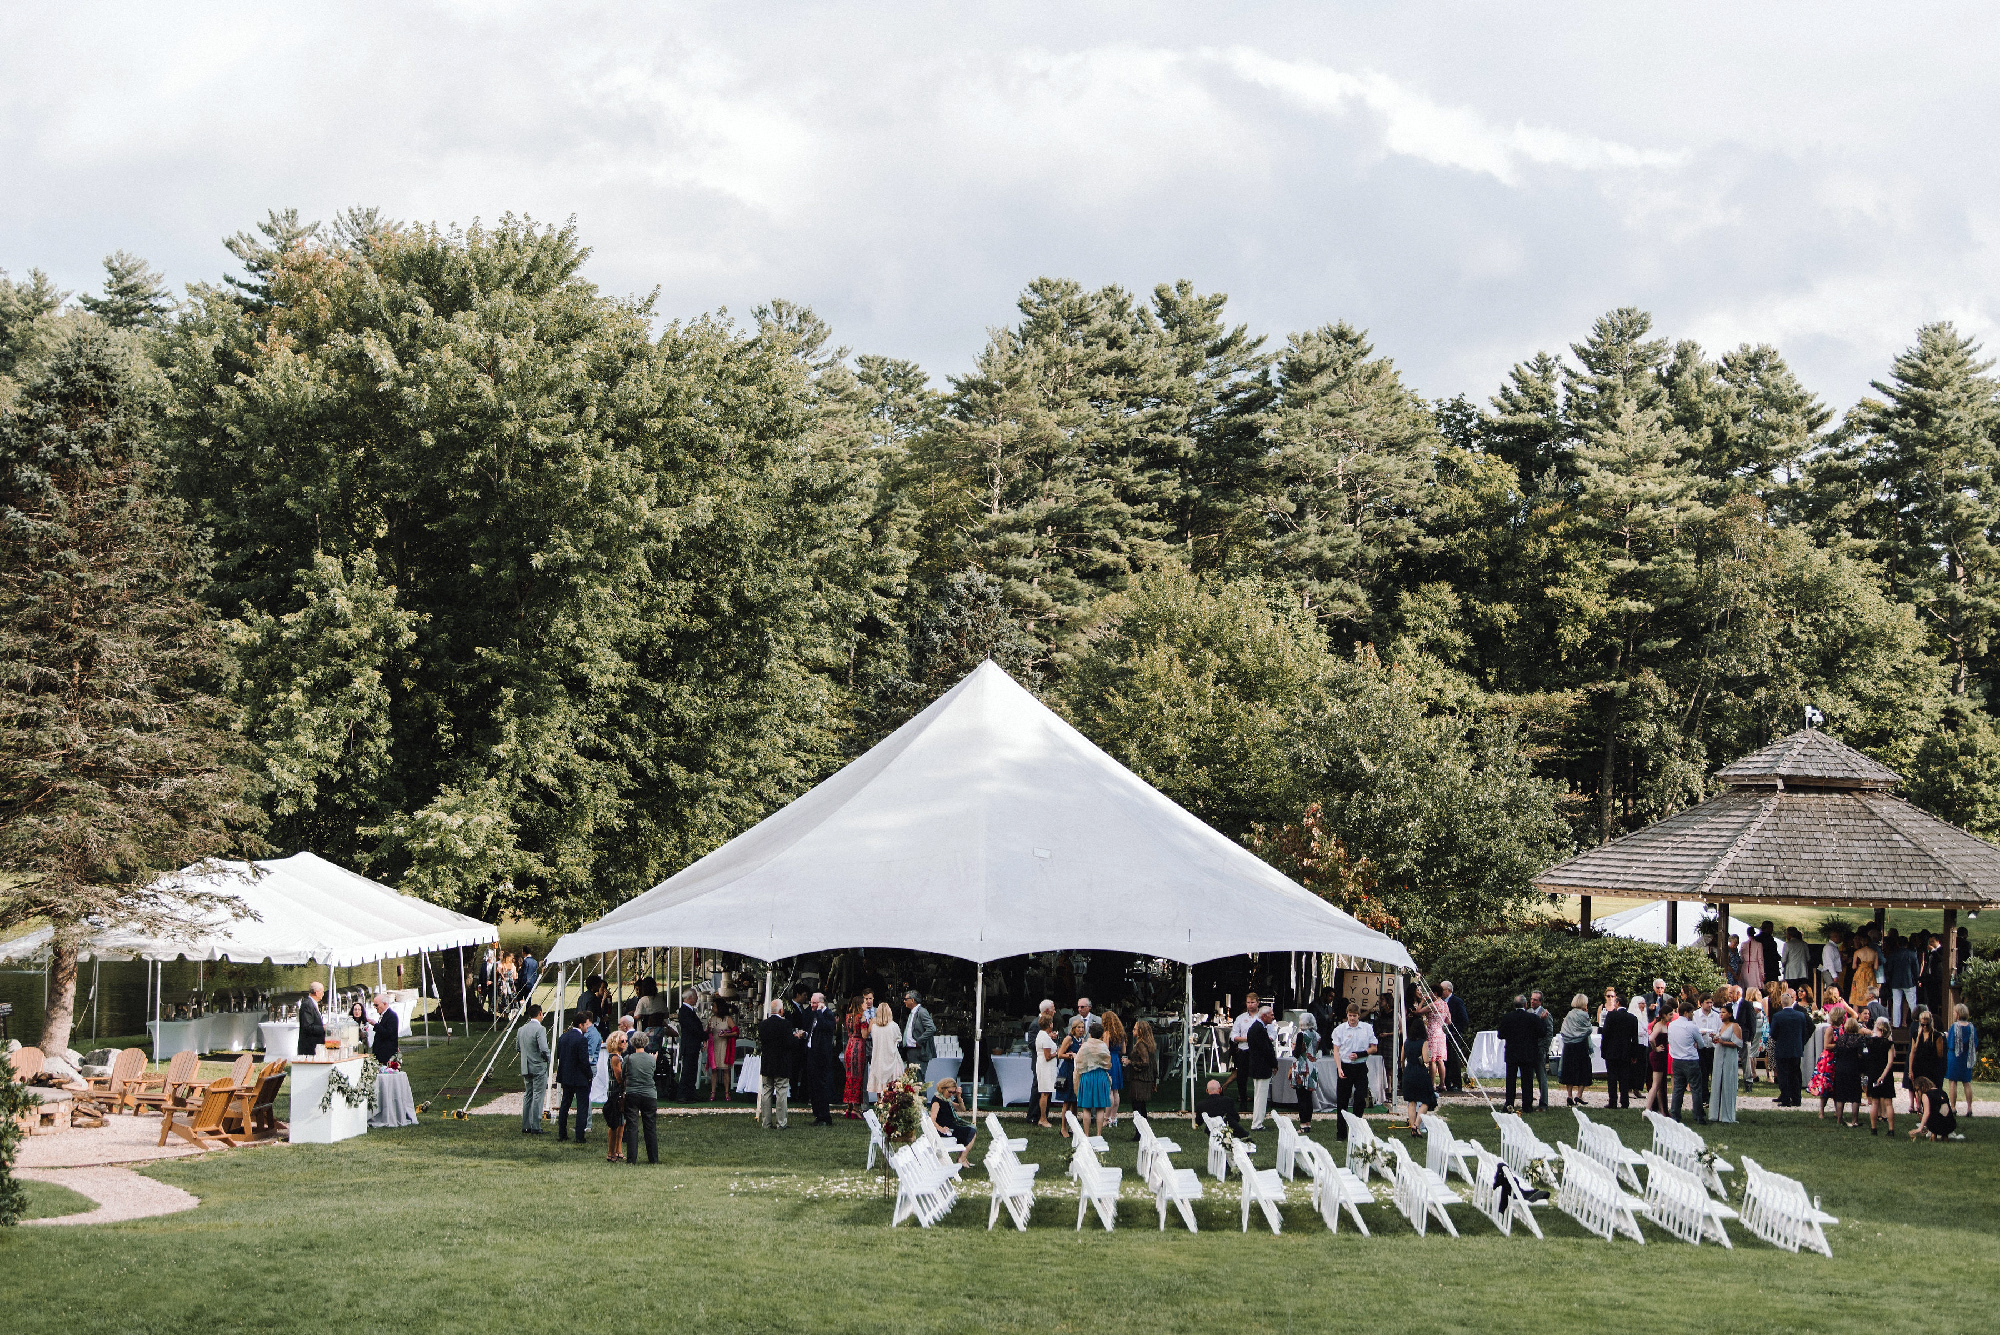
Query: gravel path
[[122, 1139], [120, 1194]]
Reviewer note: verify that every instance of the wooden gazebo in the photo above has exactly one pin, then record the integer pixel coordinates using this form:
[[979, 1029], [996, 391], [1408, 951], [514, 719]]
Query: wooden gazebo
[[1808, 820]]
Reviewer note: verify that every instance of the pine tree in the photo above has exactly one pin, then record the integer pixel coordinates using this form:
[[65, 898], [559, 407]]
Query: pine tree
[[117, 766], [135, 297], [25, 311], [1527, 428]]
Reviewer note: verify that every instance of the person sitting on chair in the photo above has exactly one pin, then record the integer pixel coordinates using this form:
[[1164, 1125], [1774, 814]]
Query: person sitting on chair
[[1219, 1106], [947, 1102]]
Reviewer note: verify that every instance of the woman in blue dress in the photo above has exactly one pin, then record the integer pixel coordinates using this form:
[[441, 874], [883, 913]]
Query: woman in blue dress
[[1114, 1038], [1093, 1080], [1961, 1058]]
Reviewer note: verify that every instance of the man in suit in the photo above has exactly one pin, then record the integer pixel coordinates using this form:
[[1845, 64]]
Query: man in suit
[[1791, 1030], [692, 1033], [1219, 1106], [776, 1037], [312, 1025], [919, 1033], [573, 1073], [1260, 1064], [1523, 1048], [1458, 1024], [1541, 1013], [822, 1044], [798, 1012], [388, 1030], [533, 1041], [531, 970], [1620, 1047]]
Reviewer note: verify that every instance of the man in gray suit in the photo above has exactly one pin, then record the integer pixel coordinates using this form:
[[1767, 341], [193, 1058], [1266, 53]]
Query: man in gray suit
[[919, 1033], [534, 1042]]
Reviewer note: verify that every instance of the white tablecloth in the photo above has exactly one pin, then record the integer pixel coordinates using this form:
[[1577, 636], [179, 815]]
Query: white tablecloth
[[232, 1031], [1329, 1077], [340, 1121], [174, 1036], [941, 1067], [281, 1037], [1597, 1066], [749, 1072], [1017, 1079], [393, 1104], [1814, 1046], [1488, 1061]]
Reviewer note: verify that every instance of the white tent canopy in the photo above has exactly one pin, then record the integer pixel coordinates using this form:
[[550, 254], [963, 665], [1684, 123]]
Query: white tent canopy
[[307, 910], [985, 827], [1648, 922]]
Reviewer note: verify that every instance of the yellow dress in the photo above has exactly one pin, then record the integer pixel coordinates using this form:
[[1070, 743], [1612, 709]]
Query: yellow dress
[[1864, 977]]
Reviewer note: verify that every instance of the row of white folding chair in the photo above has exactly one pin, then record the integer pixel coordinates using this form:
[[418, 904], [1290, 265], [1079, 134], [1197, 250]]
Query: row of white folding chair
[[1520, 1146], [1497, 1191], [1442, 1151], [1179, 1187], [1262, 1187], [1777, 1209], [1420, 1194], [1590, 1194], [876, 1140], [1679, 1202], [1078, 1141], [1602, 1144], [1012, 1181], [1288, 1146], [1218, 1158], [1097, 1186], [1333, 1187], [1363, 1153], [925, 1190], [1683, 1148], [934, 1142]]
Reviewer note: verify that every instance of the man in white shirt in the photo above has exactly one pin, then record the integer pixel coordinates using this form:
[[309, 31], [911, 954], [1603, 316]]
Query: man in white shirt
[[1239, 1050], [1687, 1046], [1831, 965], [1709, 1020], [1353, 1042]]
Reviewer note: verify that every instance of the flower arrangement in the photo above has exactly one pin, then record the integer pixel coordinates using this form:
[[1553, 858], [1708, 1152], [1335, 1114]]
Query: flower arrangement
[[352, 1094], [902, 1108]]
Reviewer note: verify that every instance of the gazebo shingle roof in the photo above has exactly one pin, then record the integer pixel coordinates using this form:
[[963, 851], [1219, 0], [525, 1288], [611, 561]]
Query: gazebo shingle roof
[[1804, 821]]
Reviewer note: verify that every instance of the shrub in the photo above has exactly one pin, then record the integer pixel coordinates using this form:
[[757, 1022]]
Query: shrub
[[1487, 972], [14, 1100], [1979, 989]]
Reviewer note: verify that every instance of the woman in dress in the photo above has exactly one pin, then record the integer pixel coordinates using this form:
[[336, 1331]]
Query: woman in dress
[[1848, 1083], [1658, 1063], [855, 1058], [1305, 1076], [1114, 1039], [1722, 1073], [1436, 1015], [1419, 1089], [1753, 962], [1961, 1058], [946, 1106], [614, 1092], [1045, 1068], [1576, 1027], [885, 1053], [1142, 1069], [722, 1033], [1878, 1065], [1926, 1060], [1066, 1064], [1863, 967], [1093, 1079], [1939, 1121]]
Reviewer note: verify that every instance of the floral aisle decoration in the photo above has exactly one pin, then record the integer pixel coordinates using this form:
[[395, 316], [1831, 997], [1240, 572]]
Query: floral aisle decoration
[[901, 1108], [353, 1094]]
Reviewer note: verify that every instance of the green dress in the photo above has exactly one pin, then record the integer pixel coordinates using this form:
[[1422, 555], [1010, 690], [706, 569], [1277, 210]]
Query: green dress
[[1722, 1084]]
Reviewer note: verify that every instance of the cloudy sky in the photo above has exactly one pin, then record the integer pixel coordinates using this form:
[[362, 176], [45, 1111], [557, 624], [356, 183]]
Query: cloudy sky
[[1471, 182]]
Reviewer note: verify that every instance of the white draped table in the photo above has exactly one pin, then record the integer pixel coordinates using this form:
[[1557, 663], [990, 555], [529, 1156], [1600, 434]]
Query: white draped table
[[341, 1120], [1282, 1091], [749, 1072], [1017, 1079], [394, 1105], [1487, 1062]]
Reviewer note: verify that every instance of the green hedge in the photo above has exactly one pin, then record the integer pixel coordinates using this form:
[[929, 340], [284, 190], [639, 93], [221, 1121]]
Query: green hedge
[[1487, 971]]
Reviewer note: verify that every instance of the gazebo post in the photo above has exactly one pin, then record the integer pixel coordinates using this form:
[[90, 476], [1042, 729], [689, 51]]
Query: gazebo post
[[1950, 964], [1721, 947], [1583, 913], [1881, 916]]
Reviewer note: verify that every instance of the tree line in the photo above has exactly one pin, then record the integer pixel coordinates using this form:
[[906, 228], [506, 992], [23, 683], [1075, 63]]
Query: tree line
[[522, 596]]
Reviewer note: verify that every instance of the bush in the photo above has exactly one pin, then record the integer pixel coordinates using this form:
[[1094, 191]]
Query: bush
[[1979, 989], [14, 1100], [1487, 972]]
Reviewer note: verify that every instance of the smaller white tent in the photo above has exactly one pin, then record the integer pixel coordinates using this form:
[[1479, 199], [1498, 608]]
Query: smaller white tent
[[304, 910], [1648, 922]]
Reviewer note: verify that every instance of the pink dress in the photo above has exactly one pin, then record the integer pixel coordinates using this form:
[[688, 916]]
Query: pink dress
[[1434, 1017], [1753, 964]]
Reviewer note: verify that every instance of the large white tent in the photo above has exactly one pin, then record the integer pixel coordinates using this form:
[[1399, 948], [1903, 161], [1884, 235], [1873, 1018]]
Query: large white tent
[[985, 827], [1648, 922], [302, 909]]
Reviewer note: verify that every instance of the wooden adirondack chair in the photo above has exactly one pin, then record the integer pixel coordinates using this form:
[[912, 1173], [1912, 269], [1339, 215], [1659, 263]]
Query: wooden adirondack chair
[[252, 1112], [243, 1072], [202, 1124], [114, 1091], [171, 1088]]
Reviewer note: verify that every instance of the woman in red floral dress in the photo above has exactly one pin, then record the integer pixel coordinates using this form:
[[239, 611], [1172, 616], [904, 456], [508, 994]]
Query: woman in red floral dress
[[856, 1056]]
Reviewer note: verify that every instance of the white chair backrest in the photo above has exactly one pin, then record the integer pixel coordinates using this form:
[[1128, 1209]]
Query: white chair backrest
[[1590, 1195], [1678, 1201], [1777, 1209]]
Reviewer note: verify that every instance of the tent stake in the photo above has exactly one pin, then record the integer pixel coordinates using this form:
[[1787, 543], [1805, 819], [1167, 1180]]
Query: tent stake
[[978, 1033]]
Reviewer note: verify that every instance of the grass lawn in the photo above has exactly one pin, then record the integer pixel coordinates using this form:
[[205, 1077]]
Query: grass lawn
[[46, 1200], [471, 1226]]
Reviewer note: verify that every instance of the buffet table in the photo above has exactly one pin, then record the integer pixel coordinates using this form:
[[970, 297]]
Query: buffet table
[[1017, 1079], [341, 1120], [281, 1037], [1282, 1091]]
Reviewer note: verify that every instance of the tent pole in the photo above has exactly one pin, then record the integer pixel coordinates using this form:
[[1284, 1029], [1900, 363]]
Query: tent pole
[[1395, 1062], [978, 1033], [1187, 1046], [96, 1005], [464, 1007]]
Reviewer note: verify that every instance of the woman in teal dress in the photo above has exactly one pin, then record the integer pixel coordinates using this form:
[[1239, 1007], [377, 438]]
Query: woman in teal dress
[[1722, 1080]]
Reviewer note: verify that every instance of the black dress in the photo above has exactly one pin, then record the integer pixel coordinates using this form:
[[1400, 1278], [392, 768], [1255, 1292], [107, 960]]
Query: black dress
[[1926, 1062], [1417, 1085], [1847, 1058], [1877, 1053]]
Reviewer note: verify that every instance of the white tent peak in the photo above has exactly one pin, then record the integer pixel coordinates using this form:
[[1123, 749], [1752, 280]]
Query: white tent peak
[[985, 827]]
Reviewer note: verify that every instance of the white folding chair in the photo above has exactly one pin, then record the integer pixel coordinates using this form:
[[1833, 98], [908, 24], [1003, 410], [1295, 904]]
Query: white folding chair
[[1218, 1158], [1520, 1146], [997, 1133], [1683, 1149], [1334, 1188], [1078, 1141], [1013, 1185], [1262, 1187], [1150, 1145], [1590, 1194], [1420, 1194], [1679, 1202], [1288, 1146], [1497, 1193], [1178, 1187], [924, 1191], [1602, 1144], [1443, 1153], [1777, 1209], [876, 1140], [1361, 1140], [1097, 1187]]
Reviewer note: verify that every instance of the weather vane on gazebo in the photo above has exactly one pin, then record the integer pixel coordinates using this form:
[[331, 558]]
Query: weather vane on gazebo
[[1813, 717]]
